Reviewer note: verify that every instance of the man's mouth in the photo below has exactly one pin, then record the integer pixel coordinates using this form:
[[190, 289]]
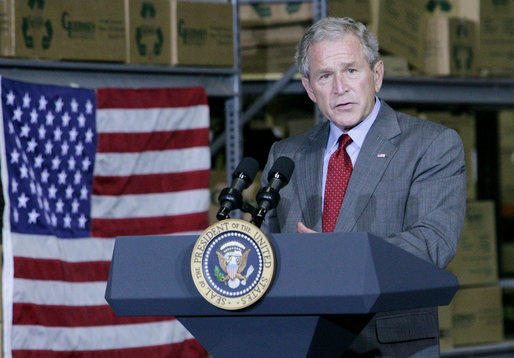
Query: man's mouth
[[344, 105]]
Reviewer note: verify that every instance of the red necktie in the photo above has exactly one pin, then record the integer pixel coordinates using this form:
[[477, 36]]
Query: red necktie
[[338, 176]]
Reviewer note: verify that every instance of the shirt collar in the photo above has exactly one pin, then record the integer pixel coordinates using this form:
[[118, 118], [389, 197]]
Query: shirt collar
[[357, 133]]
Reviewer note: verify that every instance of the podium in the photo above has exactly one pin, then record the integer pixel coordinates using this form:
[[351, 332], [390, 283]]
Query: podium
[[326, 288]]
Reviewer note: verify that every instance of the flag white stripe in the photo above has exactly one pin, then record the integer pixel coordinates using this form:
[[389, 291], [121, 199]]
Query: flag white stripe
[[43, 292], [152, 119], [149, 205], [152, 162], [68, 250], [100, 337]]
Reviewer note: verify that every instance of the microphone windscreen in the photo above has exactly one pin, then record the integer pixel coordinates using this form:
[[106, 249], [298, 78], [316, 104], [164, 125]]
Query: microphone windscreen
[[284, 166], [248, 166]]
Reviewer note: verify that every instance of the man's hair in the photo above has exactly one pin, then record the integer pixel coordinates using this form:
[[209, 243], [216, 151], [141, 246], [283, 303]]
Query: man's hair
[[333, 29]]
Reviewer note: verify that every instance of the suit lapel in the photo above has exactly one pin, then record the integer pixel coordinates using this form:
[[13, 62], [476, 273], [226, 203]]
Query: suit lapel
[[310, 164], [374, 157]]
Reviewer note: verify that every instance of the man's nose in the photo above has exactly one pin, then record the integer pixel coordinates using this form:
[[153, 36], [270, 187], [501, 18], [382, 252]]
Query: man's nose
[[339, 84]]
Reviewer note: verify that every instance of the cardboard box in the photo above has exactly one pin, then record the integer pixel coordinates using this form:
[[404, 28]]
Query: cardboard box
[[477, 315], [476, 260], [272, 35], [496, 45], [465, 125], [399, 27], [63, 30], [92, 30], [395, 66], [450, 47], [359, 10], [267, 59], [464, 9], [28, 30], [170, 32], [265, 14]]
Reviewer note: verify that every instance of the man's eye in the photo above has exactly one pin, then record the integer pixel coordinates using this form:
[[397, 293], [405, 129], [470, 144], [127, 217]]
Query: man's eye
[[324, 76], [352, 70]]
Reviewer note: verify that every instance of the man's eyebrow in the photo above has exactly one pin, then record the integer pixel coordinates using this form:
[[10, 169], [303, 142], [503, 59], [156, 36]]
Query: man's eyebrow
[[349, 64], [344, 65]]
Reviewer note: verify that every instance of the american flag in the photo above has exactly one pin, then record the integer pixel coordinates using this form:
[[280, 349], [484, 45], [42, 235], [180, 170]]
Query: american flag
[[79, 168]]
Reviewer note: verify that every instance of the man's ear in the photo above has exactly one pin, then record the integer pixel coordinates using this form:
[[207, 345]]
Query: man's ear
[[307, 85], [378, 75]]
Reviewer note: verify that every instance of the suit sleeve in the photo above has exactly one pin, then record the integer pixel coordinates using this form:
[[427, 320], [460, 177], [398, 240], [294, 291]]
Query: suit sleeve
[[436, 203]]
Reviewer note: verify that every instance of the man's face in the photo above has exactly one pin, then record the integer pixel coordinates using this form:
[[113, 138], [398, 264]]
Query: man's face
[[341, 81]]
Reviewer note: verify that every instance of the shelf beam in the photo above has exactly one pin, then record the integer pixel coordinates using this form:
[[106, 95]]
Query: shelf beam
[[495, 93], [216, 81]]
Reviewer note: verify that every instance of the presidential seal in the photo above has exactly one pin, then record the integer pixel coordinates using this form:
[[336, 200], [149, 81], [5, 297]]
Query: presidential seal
[[232, 264]]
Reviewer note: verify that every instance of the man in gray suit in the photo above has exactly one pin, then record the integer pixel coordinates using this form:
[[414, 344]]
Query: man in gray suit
[[407, 184]]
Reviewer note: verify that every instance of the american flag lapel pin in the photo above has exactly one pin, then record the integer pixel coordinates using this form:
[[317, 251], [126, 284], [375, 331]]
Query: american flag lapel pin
[[381, 155]]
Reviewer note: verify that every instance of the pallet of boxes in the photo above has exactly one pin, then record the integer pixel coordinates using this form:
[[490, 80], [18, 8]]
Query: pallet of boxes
[[73, 30], [436, 38], [447, 37], [475, 315], [156, 32]]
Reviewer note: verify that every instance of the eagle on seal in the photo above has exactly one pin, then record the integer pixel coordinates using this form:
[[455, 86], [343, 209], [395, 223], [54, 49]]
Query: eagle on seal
[[233, 265]]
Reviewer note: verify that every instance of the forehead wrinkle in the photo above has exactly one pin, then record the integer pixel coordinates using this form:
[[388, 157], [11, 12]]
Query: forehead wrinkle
[[331, 69]]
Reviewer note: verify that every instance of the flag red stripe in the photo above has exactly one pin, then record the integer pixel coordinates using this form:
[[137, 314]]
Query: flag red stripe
[[150, 183], [150, 98], [186, 349], [164, 140], [45, 269], [149, 226], [74, 316]]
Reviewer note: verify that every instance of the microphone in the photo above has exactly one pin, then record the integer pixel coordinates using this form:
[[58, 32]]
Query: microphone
[[232, 198], [268, 197]]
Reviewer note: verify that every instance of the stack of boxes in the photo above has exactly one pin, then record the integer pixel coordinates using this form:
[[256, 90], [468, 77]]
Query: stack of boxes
[[159, 32], [443, 37], [429, 37], [476, 310], [438, 38], [269, 35], [63, 30], [172, 33]]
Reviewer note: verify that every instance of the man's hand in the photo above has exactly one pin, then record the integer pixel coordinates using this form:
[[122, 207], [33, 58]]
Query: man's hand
[[304, 229]]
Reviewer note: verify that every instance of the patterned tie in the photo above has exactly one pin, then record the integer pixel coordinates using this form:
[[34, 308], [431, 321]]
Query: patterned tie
[[338, 176]]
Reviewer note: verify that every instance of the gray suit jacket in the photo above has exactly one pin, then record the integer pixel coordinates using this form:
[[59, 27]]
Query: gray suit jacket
[[408, 186]]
